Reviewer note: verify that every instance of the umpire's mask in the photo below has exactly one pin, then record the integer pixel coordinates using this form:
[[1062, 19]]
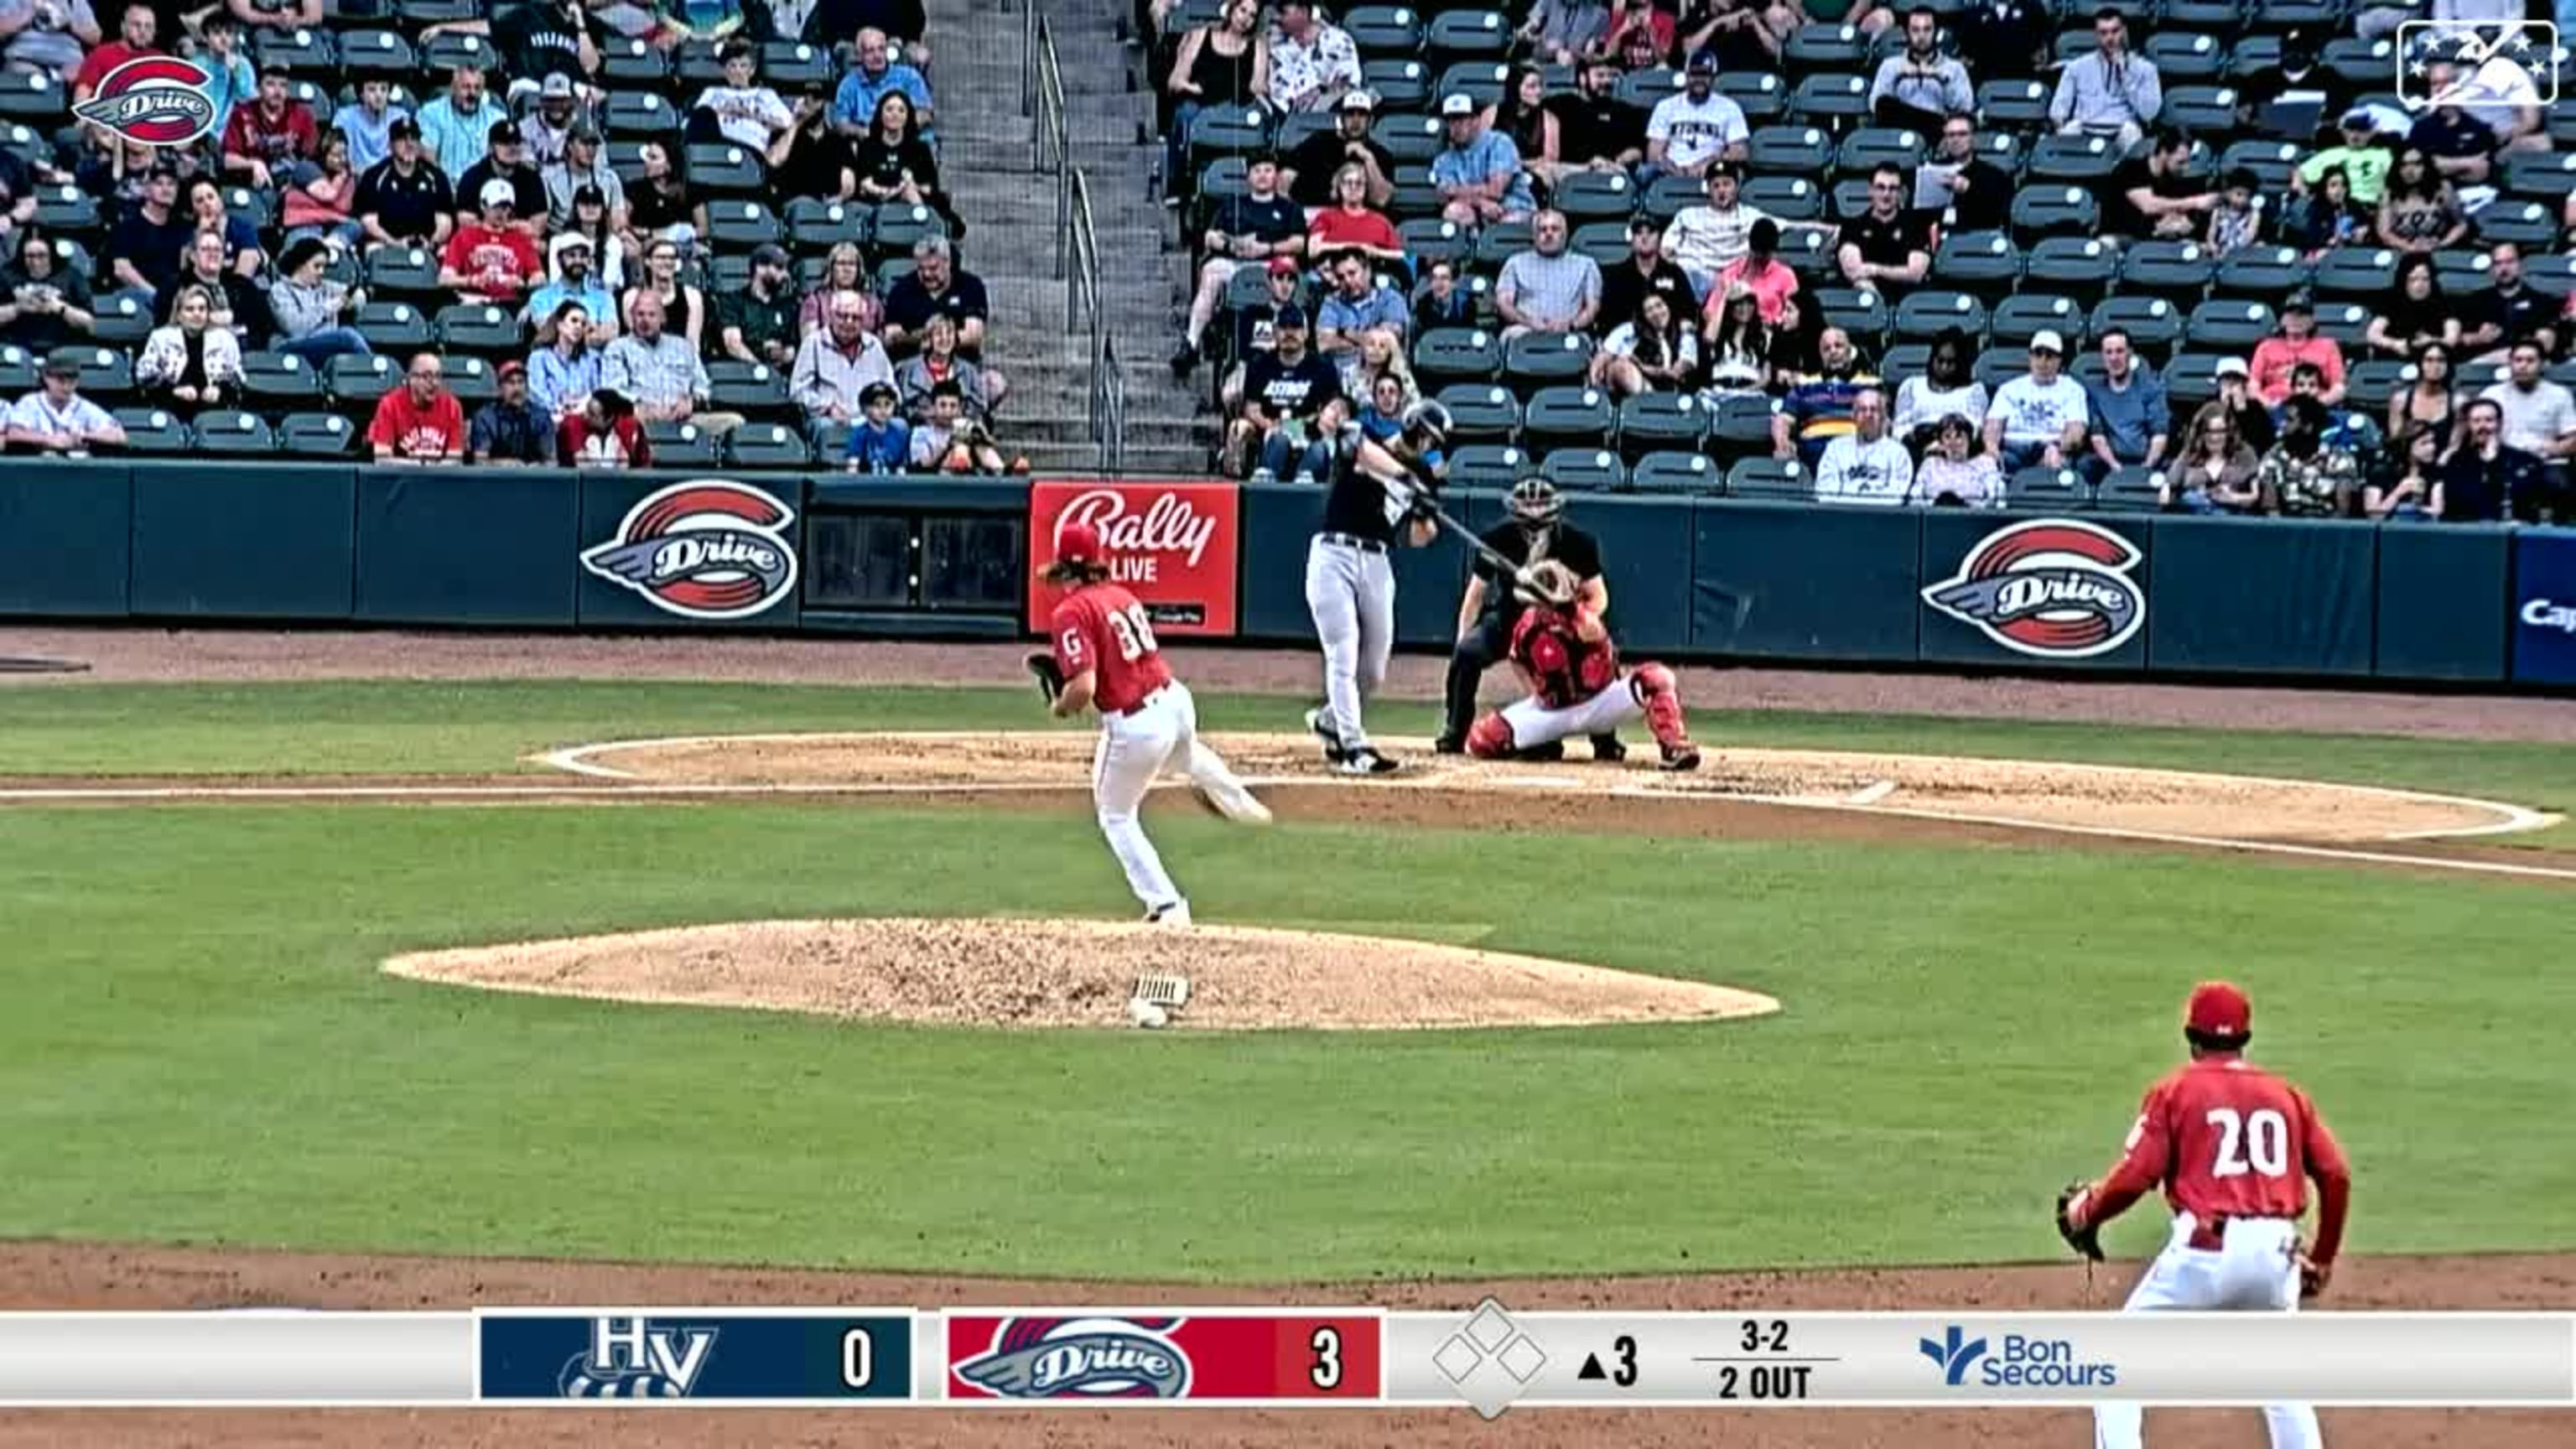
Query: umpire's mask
[[1536, 505]]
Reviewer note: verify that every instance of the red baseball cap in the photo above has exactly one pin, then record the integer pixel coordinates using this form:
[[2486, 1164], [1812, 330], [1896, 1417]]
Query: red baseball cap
[[2219, 1008], [1077, 543]]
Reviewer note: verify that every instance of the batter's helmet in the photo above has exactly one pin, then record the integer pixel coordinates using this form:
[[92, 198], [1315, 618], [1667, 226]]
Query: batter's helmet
[[1536, 503], [1426, 424]]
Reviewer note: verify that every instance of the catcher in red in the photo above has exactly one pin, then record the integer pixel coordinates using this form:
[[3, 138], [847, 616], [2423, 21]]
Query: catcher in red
[[1566, 657]]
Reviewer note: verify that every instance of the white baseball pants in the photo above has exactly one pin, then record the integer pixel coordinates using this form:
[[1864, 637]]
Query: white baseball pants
[[1351, 592], [2256, 1270], [1535, 724], [1134, 748]]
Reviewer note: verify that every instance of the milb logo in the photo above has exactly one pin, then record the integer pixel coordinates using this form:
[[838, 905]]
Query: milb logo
[[2035, 1363], [629, 1358]]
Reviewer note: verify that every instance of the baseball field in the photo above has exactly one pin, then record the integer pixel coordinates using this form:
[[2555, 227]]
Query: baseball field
[[304, 1002]]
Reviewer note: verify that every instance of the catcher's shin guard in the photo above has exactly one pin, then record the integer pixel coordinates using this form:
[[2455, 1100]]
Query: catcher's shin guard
[[1490, 738], [1661, 694]]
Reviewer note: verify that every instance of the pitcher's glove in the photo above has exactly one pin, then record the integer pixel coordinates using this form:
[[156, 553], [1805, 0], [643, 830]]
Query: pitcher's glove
[[1041, 667], [2086, 1240]]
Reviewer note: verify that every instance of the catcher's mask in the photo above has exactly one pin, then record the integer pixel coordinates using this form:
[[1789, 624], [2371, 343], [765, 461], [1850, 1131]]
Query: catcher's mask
[[1536, 505], [1551, 584], [1425, 427]]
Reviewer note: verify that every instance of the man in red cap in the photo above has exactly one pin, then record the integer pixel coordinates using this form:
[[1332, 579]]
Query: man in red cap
[[1106, 654], [2233, 1146]]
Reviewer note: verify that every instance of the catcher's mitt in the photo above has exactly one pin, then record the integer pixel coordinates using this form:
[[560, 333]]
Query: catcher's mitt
[[1548, 584], [1041, 666], [2086, 1240]]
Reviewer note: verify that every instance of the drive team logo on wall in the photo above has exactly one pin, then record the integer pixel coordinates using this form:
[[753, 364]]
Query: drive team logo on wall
[[158, 100], [704, 549], [2051, 588]]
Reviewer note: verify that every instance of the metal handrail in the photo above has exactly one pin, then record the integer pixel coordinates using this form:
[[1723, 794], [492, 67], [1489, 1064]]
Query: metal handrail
[[1077, 237]]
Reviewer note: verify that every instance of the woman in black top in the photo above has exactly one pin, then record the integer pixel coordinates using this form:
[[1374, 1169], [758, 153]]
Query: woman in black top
[[607, 247], [1223, 63], [684, 308], [893, 165], [2431, 401], [819, 163], [1522, 114], [660, 205], [2416, 314]]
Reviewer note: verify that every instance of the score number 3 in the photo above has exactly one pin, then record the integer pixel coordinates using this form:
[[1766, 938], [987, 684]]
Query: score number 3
[[1327, 1347]]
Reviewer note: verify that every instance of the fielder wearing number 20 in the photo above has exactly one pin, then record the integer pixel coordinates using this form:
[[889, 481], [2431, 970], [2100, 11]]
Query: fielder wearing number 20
[[1106, 655]]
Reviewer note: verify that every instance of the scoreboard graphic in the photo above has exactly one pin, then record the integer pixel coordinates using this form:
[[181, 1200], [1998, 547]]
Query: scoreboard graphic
[[1201, 1356]]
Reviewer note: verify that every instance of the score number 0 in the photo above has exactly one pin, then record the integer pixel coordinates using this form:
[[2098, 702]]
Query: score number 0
[[858, 1358]]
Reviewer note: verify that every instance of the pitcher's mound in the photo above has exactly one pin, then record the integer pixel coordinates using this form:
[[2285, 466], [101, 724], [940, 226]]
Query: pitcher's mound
[[1056, 973]]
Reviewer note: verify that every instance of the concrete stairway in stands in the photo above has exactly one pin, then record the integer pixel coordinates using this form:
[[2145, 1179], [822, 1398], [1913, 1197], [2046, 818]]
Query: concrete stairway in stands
[[986, 155]]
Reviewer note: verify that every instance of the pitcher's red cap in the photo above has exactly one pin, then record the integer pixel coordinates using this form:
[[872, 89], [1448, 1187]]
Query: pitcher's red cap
[[2219, 1008], [1077, 543]]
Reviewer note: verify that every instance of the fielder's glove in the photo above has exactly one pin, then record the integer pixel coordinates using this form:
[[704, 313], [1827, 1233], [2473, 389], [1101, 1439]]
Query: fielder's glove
[[1549, 584], [2086, 1240], [1041, 666]]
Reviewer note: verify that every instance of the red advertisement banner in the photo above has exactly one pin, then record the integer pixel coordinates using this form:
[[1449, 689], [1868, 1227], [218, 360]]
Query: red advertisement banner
[[1173, 545], [1109, 1356]]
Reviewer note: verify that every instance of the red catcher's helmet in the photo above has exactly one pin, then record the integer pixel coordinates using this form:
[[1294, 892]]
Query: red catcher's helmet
[[2220, 1011], [1077, 543]]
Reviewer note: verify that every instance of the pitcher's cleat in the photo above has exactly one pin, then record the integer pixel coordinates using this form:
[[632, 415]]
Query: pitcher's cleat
[[1366, 761], [1175, 914]]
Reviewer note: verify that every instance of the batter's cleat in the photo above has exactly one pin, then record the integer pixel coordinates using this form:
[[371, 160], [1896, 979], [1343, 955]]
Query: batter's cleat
[[1334, 754], [1175, 914], [1449, 745], [1546, 754], [1240, 807], [1684, 756], [1366, 761], [1608, 750]]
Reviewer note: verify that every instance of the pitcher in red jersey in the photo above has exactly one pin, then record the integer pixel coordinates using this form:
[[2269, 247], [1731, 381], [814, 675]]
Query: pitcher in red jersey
[[2233, 1147], [1105, 649]]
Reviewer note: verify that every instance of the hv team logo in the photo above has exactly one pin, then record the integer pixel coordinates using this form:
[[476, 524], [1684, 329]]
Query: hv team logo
[[1077, 1358], [630, 1358], [158, 100], [704, 549], [2053, 588]]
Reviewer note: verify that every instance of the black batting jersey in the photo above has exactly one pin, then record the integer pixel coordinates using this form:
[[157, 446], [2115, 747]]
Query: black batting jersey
[[1359, 505], [1566, 544]]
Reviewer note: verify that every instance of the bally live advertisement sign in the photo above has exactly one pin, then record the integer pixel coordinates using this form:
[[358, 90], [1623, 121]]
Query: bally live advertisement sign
[[1173, 545]]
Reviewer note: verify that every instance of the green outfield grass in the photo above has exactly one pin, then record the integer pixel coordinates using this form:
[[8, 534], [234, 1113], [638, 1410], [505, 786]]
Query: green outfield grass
[[195, 1043]]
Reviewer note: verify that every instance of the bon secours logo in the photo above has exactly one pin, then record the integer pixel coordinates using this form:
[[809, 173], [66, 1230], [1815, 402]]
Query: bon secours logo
[[1050, 1358], [2057, 588], [2021, 1362], [158, 100], [704, 549]]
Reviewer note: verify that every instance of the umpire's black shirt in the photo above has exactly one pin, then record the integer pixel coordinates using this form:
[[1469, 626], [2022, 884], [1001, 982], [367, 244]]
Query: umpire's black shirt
[[1566, 544]]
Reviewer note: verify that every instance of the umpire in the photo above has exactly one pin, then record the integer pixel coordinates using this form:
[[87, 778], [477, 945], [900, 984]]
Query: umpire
[[1536, 530]]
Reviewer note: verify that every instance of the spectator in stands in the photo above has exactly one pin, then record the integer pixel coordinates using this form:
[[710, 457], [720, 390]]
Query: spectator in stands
[[2463, 147], [1350, 226], [1743, 355], [1887, 248], [18, 197], [583, 167], [543, 39], [1818, 406], [2418, 212], [1697, 128], [549, 127], [457, 127], [2484, 479], [2513, 126], [509, 431], [1522, 114], [1284, 394], [2358, 154], [2539, 415], [1636, 44], [948, 441], [877, 72], [1979, 193], [192, 363], [1871, 19], [660, 370], [2216, 471], [679, 22], [57, 419], [1478, 172], [1222, 65], [1258, 225], [1358, 304], [757, 324], [938, 285], [143, 247], [1567, 32], [2107, 92], [2425, 398], [892, 164], [271, 142], [239, 305], [1549, 287], [406, 200], [1919, 87], [742, 112], [2040, 417], [1256, 327], [2132, 425], [2509, 311], [683, 307], [1646, 273], [563, 371], [506, 160], [280, 15], [832, 367], [1761, 272], [661, 206], [602, 433], [1705, 240], [590, 220], [1739, 35], [880, 442], [1441, 302], [2327, 217], [1595, 130], [1379, 357], [821, 164], [208, 215], [1383, 418], [1311, 60], [844, 270], [320, 208], [1955, 471], [2011, 39], [310, 311], [420, 421], [2414, 315], [2411, 489], [46, 37], [1865, 465], [43, 304], [2155, 195], [138, 31], [2302, 477], [1312, 171], [2278, 355], [2354, 432], [572, 280], [2236, 399], [489, 259], [2260, 85], [1948, 388], [369, 124], [938, 362], [2237, 221]]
